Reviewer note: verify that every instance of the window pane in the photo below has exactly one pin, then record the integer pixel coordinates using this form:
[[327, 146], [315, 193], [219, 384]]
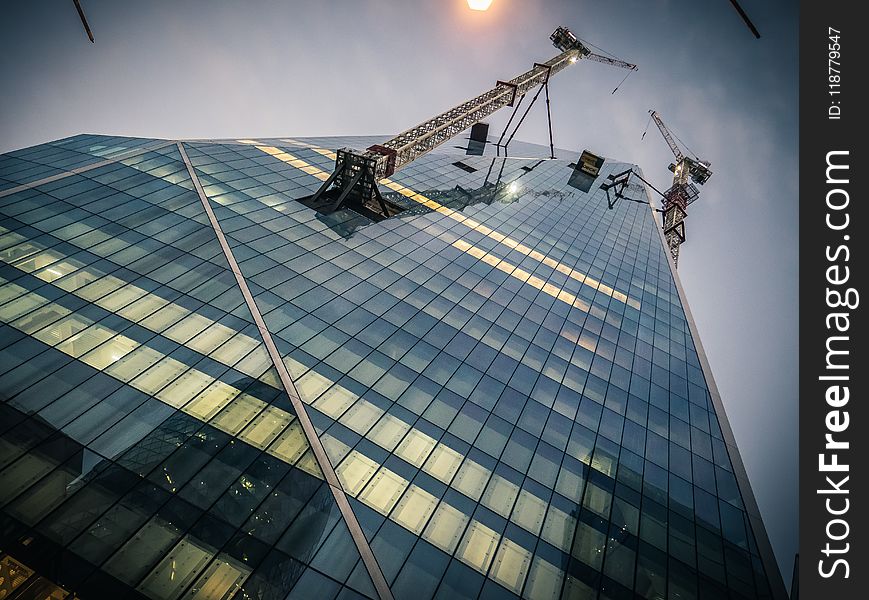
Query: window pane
[[169, 578], [511, 565], [383, 491], [478, 546], [414, 509], [445, 527]]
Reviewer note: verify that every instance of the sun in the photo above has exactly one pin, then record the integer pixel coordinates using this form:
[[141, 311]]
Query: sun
[[479, 4]]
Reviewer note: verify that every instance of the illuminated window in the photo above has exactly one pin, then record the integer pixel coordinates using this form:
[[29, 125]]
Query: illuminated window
[[266, 427], [134, 363], [511, 565], [446, 527], [14, 253], [98, 288], [146, 547], [477, 548], [442, 463], [361, 416], [598, 500], [38, 261], [544, 581], [383, 491], [24, 304], [39, 318], [238, 413], [471, 479], [10, 291], [254, 364], [121, 297], [213, 336], [86, 340], [414, 509], [388, 432], [183, 563], [155, 378], [186, 328], [355, 471], [334, 402], [184, 388], [558, 528], [109, 353], [500, 495], [291, 444], [312, 384], [233, 350], [529, 512], [163, 318], [142, 307], [223, 577]]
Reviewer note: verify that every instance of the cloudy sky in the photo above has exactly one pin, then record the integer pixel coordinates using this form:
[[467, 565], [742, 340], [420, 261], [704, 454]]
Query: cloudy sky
[[218, 69]]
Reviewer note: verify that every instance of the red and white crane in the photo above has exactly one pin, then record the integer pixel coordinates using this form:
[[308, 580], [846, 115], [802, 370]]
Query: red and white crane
[[687, 171]]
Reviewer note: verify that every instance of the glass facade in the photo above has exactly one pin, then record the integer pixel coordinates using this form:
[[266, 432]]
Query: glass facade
[[210, 390]]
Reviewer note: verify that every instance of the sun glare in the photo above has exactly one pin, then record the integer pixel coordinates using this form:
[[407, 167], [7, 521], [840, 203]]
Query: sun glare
[[479, 4]]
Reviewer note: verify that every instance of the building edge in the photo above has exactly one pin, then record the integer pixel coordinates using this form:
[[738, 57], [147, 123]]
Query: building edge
[[767, 555]]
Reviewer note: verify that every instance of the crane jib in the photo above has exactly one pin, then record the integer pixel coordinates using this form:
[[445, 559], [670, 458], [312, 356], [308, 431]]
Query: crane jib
[[359, 191]]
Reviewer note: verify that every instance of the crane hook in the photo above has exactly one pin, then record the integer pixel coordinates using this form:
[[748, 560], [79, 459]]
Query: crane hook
[[622, 81], [646, 130]]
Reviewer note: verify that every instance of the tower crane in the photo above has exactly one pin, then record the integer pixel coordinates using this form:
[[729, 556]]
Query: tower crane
[[354, 180], [683, 192]]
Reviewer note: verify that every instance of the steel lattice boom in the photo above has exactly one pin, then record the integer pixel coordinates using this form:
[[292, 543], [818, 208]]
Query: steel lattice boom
[[357, 172], [668, 137], [413, 143], [610, 61]]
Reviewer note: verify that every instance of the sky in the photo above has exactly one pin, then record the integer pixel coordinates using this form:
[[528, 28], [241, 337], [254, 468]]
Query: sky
[[220, 69]]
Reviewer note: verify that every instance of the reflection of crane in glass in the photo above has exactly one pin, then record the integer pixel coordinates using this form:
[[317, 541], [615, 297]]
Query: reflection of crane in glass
[[686, 169]]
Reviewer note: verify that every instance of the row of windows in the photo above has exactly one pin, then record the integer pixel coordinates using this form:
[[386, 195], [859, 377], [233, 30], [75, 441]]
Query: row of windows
[[226, 338], [199, 162], [188, 382], [161, 542], [375, 370], [32, 164]]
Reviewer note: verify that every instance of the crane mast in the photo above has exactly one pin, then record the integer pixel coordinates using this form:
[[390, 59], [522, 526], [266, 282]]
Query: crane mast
[[357, 172], [686, 172]]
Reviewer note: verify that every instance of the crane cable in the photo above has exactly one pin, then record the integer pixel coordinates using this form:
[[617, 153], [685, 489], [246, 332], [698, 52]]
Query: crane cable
[[609, 55], [694, 154], [646, 130], [622, 81]]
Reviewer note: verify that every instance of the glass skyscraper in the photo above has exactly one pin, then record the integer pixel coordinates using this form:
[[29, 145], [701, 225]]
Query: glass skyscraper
[[211, 390]]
